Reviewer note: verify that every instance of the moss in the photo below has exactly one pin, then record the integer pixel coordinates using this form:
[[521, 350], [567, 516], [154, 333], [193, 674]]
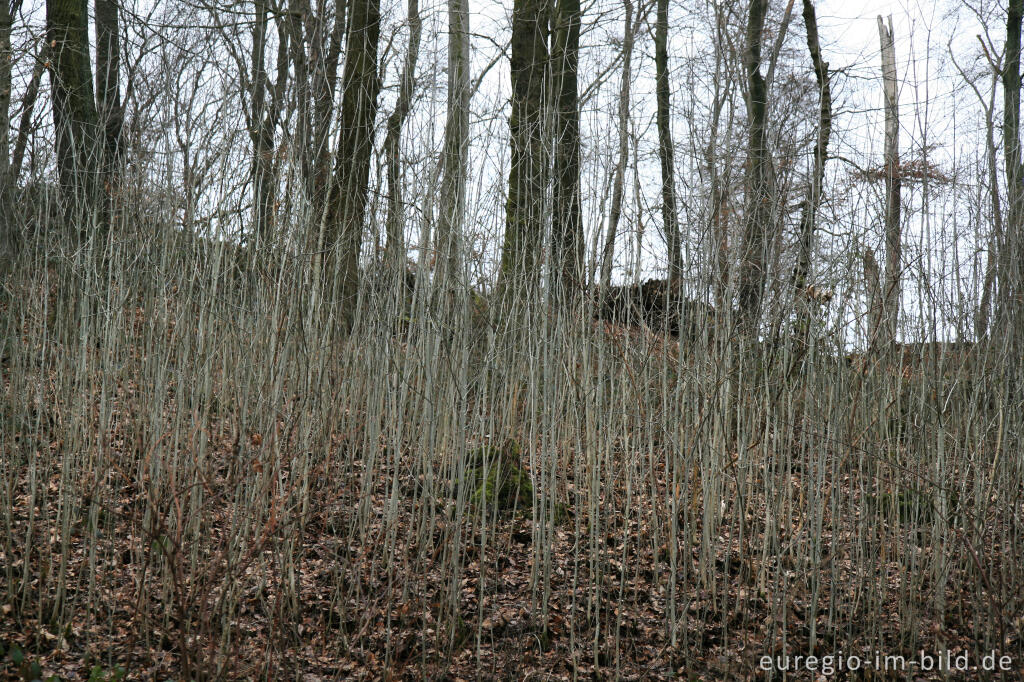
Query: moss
[[498, 478]]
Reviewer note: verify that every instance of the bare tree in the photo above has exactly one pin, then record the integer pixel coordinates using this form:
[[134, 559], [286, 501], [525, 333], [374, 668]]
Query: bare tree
[[524, 226], [7, 180], [884, 335], [28, 104], [758, 183], [567, 228], [1010, 275], [456, 139], [809, 209], [74, 110], [350, 185], [611, 232], [395, 220], [670, 219]]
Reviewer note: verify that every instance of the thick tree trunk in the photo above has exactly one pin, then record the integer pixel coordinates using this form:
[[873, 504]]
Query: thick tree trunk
[[108, 100], [524, 228], [752, 276], [350, 185], [809, 211], [886, 334], [618, 183], [567, 228], [456, 145], [74, 110], [108, 82], [669, 213], [395, 221]]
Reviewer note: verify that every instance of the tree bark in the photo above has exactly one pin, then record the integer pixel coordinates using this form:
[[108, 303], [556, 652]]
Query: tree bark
[[886, 334], [567, 228], [752, 274], [524, 228], [394, 252], [350, 184]]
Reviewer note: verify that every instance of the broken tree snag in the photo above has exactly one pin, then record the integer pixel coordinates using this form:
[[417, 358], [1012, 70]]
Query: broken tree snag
[[890, 300], [874, 290]]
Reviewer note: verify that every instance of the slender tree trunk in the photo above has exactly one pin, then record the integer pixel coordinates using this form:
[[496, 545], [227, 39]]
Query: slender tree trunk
[[893, 237], [567, 228], [74, 109], [524, 229], [7, 179], [394, 252], [752, 275], [1010, 277], [665, 151], [456, 145], [718, 223], [809, 210], [981, 320], [350, 185], [27, 109], [615, 214], [316, 77]]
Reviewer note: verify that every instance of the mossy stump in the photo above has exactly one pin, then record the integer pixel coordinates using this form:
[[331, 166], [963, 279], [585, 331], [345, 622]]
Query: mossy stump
[[497, 479]]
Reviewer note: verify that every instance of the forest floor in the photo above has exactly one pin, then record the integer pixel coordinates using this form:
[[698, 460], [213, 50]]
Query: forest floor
[[407, 601], [391, 625]]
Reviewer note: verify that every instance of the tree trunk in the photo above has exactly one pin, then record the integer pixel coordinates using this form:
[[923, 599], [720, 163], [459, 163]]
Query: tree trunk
[[264, 114], [7, 179], [108, 100], [27, 109], [1010, 277], [456, 145], [524, 228], [108, 83], [757, 215], [893, 239], [669, 213], [74, 110], [872, 280], [350, 185], [981, 320], [620, 167], [394, 252], [809, 211], [567, 228]]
